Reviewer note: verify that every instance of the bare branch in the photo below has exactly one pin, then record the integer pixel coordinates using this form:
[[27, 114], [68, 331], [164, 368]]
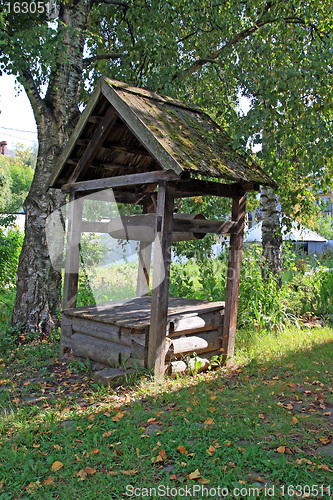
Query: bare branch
[[107, 55]]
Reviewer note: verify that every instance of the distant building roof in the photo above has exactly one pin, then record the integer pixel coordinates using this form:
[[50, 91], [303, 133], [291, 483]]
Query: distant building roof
[[297, 233]]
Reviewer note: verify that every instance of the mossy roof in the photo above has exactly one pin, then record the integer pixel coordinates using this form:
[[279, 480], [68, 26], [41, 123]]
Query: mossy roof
[[178, 137]]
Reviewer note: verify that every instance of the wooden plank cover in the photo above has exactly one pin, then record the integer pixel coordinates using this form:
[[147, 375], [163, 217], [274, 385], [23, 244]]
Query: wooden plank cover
[[135, 313]]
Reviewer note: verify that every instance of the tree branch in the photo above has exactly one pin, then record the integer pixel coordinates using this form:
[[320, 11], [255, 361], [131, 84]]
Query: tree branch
[[242, 35], [33, 94], [112, 56], [210, 58], [114, 2]]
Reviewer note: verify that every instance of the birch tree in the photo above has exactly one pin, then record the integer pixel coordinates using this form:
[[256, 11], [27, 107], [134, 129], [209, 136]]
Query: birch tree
[[276, 53]]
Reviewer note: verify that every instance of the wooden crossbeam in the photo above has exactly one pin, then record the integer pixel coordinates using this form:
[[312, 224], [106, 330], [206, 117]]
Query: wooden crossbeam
[[95, 143], [180, 225], [118, 196], [95, 119], [125, 149], [196, 187], [121, 181]]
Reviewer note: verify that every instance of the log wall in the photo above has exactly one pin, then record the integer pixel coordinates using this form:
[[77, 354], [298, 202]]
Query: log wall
[[108, 344]]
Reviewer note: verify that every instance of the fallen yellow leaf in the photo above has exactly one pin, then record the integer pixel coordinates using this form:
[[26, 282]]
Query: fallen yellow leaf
[[162, 454], [202, 480], [117, 417], [128, 472], [48, 481], [81, 475], [295, 420], [209, 421], [281, 449], [89, 470], [182, 450], [56, 466], [32, 486], [194, 475]]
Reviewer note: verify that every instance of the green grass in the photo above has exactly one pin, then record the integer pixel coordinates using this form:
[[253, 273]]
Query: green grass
[[262, 424]]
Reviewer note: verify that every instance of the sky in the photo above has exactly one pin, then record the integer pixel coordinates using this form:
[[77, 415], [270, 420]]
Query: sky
[[16, 114]]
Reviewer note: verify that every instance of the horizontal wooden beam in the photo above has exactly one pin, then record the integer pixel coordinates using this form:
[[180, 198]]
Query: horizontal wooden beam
[[95, 119], [133, 226], [196, 187], [118, 196], [125, 149], [82, 142], [109, 166], [122, 181], [72, 161]]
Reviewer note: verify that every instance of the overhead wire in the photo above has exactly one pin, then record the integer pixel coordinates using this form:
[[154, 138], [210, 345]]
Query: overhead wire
[[17, 130]]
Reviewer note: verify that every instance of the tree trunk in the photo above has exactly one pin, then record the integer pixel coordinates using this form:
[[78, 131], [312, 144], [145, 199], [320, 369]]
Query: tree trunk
[[271, 234], [38, 297]]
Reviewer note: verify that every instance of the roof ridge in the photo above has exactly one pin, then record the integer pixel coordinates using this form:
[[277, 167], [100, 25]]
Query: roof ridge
[[151, 95]]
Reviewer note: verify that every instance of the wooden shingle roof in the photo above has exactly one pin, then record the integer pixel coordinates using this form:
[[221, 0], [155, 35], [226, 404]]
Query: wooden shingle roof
[[131, 130]]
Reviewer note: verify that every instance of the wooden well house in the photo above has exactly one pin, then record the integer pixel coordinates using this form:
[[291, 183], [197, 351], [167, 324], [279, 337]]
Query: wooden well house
[[151, 151]]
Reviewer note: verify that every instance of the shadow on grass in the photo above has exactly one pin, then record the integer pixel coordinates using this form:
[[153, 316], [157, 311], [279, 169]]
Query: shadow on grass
[[264, 425]]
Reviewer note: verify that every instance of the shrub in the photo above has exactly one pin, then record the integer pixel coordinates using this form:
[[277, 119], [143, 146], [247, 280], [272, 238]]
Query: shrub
[[307, 287]]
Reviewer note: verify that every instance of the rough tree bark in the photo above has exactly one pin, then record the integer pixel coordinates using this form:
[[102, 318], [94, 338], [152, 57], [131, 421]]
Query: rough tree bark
[[271, 234], [38, 282]]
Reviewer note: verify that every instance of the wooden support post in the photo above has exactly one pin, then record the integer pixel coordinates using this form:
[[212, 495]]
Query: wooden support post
[[233, 277], [142, 287], [161, 274], [72, 251]]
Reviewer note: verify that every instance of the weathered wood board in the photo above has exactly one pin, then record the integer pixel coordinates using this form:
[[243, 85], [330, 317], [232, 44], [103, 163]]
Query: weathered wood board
[[116, 334]]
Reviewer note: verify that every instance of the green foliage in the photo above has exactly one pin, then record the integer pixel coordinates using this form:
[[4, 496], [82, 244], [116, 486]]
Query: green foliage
[[7, 300], [323, 225], [211, 207], [16, 173], [11, 240], [307, 287], [92, 249]]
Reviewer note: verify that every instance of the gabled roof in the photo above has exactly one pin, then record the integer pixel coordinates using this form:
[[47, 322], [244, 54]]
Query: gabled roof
[[147, 133]]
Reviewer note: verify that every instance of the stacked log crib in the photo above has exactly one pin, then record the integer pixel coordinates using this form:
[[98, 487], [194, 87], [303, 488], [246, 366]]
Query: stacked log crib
[[116, 335]]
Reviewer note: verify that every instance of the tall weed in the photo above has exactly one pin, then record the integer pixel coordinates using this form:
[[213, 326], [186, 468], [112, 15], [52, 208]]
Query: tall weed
[[307, 287]]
